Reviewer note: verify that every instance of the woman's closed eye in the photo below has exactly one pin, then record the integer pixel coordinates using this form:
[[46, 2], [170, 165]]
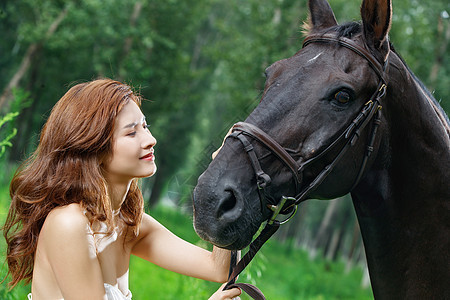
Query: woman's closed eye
[[144, 126]]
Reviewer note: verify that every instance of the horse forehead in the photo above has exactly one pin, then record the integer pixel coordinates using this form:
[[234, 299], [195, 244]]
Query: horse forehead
[[314, 58], [318, 61], [308, 57], [286, 67]]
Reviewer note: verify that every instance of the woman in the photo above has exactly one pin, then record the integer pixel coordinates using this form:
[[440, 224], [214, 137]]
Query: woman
[[77, 211]]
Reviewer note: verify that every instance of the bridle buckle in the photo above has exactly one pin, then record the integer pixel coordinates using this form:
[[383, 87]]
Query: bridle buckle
[[279, 208]]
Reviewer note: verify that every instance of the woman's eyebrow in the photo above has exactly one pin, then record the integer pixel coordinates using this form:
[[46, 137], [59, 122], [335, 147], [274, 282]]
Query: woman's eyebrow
[[131, 125], [134, 124]]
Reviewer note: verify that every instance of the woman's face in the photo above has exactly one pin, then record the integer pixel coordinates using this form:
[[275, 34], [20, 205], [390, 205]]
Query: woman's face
[[133, 143]]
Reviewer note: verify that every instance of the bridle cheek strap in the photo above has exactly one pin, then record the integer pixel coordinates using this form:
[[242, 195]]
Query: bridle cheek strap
[[274, 147], [262, 179]]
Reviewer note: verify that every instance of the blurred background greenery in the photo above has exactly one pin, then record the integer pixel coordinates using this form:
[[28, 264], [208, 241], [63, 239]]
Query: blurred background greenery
[[200, 65]]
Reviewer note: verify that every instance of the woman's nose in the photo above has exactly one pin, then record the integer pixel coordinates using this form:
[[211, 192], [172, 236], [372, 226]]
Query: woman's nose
[[149, 140]]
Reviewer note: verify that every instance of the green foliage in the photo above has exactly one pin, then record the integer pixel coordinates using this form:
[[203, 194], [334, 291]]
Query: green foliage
[[21, 100], [6, 140], [8, 129]]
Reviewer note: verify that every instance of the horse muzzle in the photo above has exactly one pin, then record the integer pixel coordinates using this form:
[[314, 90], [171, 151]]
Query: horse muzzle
[[223, 216]]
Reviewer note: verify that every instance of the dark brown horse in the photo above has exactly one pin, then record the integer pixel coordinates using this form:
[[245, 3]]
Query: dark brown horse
[[392, 153]]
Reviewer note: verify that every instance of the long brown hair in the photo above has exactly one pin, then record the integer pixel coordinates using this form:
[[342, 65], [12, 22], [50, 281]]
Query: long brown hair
[[66, 168]]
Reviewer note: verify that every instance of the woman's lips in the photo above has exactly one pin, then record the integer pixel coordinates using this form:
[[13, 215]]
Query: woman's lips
[[148, 156]]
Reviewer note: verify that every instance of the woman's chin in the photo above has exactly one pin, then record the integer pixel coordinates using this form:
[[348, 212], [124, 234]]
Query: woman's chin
[[148, 173]]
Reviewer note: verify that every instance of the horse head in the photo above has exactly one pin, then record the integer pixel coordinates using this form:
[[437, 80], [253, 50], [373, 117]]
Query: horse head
[[344, 114], [309, 100]]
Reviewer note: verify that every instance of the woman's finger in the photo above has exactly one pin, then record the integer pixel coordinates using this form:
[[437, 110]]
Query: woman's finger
[[231, 293], [226, 295], [217, 151]]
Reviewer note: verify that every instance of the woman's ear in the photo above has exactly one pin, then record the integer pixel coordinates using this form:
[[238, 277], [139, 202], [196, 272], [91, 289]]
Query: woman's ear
[[321, 15], [102, 159], [376, 17]]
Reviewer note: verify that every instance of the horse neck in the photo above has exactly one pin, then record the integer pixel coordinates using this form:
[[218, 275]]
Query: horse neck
[[402, 204], [419, 133]]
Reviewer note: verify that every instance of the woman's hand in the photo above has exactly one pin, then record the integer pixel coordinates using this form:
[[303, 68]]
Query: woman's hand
[[226, 295], [217, 151]]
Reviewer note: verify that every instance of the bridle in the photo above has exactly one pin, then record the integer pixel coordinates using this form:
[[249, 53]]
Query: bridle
[[348, 137]]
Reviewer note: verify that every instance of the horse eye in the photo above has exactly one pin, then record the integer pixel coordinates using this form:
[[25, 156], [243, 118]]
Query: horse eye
[[342, 97]]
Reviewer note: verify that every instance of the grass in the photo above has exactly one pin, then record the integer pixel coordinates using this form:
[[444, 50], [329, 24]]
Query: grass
[[280, 272]]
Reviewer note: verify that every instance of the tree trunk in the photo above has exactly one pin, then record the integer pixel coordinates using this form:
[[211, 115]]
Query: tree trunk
[[356, 237], [323, 233], [5, 98], [333, 244], [365, 281], [339, 234], [129, 40], [294, 232]]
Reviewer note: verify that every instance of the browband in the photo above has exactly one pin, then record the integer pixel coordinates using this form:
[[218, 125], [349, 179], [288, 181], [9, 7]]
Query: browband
[[350, 44]]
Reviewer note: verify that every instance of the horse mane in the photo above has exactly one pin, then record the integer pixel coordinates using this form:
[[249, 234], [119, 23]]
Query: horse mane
[[347, 30], [435, 104], [344, 30]]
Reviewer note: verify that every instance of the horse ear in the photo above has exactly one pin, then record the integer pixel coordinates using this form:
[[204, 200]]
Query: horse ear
[[321, 14], [376, 17]]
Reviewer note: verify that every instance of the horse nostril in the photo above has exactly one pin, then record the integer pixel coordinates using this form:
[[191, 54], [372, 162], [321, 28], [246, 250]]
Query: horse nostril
[[226, 206]]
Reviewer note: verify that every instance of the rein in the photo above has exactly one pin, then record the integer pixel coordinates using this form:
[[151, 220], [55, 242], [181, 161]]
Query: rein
[[288, 205]]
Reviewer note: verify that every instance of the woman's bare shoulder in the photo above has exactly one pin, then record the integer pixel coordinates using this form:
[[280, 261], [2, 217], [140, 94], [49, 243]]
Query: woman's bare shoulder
[[68, 214], [66, 221], [66, 251]]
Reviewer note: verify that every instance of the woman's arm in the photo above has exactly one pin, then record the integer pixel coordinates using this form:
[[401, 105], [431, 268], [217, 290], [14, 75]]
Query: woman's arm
[[158, 245], [70, 251]]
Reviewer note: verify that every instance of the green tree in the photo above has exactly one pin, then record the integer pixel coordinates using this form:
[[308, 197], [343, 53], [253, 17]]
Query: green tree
[[199, 63]]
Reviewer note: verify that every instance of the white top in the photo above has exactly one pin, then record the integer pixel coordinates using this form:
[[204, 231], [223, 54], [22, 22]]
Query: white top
[[112, 293]]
